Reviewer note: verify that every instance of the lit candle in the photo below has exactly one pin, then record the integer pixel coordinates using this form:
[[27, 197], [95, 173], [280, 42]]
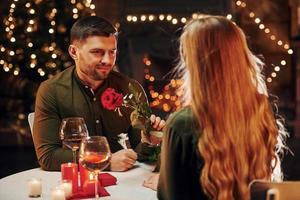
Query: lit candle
[[66, 185], [89, 185], [69, 171], [58, 194], [34, 187]]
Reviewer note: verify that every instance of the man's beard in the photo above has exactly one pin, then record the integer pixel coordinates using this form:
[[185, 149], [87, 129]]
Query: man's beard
[[98, 75]]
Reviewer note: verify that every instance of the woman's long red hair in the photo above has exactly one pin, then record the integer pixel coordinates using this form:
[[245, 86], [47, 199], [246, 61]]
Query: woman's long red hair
[[228, 97]]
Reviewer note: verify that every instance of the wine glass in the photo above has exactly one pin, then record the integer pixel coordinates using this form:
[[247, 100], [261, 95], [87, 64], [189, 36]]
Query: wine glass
[[72, 131], [94, 155]]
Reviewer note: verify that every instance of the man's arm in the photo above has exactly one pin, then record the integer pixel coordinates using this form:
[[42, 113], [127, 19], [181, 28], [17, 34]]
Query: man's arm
[[46, 125]]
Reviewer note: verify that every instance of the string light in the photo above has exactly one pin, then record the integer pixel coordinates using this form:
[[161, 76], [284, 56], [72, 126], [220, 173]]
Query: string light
[[11, 23], [272, 37]]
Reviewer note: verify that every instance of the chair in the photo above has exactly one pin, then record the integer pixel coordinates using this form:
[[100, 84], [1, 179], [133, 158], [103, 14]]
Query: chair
[[30, 121], [264, 190]]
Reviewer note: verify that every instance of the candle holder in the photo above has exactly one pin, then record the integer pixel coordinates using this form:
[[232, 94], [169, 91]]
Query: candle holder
[[69, 171], [34, 187], [66, 185], [58, 193]]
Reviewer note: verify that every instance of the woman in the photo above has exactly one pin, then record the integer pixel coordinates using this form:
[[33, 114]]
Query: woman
[[227, 135]]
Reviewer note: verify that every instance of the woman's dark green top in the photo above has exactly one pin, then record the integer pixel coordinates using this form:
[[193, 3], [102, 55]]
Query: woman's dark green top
[[181, 163], [65, 95]]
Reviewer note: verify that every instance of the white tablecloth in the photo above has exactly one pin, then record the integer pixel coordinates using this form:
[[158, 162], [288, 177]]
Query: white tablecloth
[[129, 185]]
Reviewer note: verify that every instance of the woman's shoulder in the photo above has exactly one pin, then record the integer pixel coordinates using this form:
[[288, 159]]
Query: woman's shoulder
[[183, 117]]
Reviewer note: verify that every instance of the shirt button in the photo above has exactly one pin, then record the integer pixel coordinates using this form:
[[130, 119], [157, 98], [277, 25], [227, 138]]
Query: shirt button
[[97, 121], [94, 99]]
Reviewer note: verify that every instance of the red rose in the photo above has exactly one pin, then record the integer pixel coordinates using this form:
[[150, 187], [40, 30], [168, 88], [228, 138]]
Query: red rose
[[111, 99]]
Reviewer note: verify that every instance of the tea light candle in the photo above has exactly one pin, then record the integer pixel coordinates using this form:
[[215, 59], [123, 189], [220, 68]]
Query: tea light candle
[[69, 171], [89, 184], [58, 194], [66, 185], [34, 187]]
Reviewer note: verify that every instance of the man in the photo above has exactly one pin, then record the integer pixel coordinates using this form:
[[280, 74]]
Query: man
[[76, 92]]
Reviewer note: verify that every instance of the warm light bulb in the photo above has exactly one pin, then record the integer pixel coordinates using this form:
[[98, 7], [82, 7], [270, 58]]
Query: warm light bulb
[[272, 37], [51, 30], [269, 80], [174, 21], [161, 17], [33, 56], [257, 20], [54, 56], [75, 10], [11, 53], [30, 44], [134, 18], [5, 68], [27, 5], [16, 72], [195, 16], [31, 21], [75, 16], [290, 51], [129, 18], [277, 68], [29, 29], [151, 17], [12, 39], [169, 17], [283, 62], [273, 74], [92, 6], [32, 65], [32, 11], [229, 16], [261, 26], [279, 42], [286, 46], [143, 17], [267, 30], [183, 20]]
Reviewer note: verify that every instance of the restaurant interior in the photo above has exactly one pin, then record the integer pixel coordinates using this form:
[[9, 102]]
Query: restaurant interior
[[147, 52]]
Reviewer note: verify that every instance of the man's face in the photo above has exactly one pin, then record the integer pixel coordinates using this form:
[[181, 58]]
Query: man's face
[[96, 56]]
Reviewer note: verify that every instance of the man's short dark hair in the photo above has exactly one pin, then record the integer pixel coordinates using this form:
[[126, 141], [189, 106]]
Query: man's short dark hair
[[91, 26]]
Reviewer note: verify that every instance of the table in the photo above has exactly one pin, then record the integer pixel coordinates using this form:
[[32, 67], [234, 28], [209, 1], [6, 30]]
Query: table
[[129, 185]]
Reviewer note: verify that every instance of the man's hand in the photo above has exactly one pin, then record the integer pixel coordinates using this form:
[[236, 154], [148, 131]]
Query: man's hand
[[122, 160], [152, 182]]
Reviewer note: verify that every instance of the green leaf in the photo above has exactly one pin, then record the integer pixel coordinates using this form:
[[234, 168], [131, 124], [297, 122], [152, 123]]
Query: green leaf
[[133, 90]]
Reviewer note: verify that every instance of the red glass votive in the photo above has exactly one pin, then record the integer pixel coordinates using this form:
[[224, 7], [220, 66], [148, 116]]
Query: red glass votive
[[69, 171], [84, 175], [87, 181], [88, 187]]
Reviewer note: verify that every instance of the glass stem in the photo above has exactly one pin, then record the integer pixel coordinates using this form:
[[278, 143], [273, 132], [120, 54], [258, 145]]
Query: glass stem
[[96, 186], [74, 155]]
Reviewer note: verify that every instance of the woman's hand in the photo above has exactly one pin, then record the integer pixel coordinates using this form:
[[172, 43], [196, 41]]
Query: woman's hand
[[152, 182], [155, 137]]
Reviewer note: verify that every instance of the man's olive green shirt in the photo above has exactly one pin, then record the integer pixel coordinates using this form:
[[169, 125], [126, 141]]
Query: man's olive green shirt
[[65, 95]]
